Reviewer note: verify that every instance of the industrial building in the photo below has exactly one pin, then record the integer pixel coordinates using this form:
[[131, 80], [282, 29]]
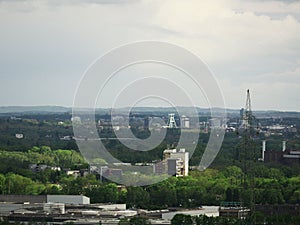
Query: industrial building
[[60, 209], [234, 210], [285, 156]]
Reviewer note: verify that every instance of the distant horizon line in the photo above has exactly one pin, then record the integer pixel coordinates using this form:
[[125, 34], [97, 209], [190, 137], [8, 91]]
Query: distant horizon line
[[163, 107]]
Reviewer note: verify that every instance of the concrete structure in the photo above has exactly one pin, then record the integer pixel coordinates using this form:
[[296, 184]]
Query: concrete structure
[[112, 207], [283, 146], [174, 163], [183, 161], [174, 166], [205, 210], [54, 208], [184, 122], [112, 172], [167, 153], [23, 198], [159, 167], [263, 151], [289, 157], [32, 199], [104, 172], [234, 210], [60, 213], [240, 213], [69, 199]]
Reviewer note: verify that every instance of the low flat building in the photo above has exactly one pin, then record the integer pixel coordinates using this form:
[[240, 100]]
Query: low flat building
[[233, 210], [23, 198], [67, 199], [205, 210], [240, 212], [61, 213]]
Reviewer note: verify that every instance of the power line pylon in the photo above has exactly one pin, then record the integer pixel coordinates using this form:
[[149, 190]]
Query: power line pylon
[[247, 115], [247, 155], [249, 125]]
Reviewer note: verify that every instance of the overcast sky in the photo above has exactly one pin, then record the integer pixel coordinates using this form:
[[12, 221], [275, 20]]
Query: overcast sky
[[46, 46]]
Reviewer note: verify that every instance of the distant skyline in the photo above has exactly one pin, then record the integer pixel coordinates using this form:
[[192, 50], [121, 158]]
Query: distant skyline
[[46, 45]]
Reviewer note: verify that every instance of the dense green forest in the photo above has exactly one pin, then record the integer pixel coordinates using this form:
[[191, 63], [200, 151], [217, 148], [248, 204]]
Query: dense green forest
[[37, 131], [210, 187]]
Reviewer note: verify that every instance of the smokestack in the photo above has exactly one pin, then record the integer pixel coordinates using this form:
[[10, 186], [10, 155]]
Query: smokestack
[[283, 146], [263, 149]]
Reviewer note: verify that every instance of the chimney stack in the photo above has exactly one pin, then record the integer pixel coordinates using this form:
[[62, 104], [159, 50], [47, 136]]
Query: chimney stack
[[263, 149], [283, 146]]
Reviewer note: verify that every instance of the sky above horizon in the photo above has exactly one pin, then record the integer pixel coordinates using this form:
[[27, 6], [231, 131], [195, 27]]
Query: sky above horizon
[[47, 45]]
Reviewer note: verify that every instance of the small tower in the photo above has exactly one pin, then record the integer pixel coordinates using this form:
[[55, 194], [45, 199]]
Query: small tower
[[171, 121]]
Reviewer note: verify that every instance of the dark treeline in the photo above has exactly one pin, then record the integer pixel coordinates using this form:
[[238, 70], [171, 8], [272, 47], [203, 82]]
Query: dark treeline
[[36, 131]]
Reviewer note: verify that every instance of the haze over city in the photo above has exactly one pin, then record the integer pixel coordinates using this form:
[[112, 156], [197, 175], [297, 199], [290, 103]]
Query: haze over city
[[46, 46]]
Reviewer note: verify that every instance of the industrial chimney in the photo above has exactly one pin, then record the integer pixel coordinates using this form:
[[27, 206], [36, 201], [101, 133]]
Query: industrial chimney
[[263, 149], [283, 146]]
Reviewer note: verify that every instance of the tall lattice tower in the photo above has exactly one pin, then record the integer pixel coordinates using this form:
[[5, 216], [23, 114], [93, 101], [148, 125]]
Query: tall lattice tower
[[247, 154], [171, 121], [247, 115]]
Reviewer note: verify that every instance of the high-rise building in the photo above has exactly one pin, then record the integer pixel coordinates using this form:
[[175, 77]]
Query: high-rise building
[[176, 162]]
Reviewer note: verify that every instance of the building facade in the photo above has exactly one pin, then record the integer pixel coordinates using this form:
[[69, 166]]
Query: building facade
[[175, 163]]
